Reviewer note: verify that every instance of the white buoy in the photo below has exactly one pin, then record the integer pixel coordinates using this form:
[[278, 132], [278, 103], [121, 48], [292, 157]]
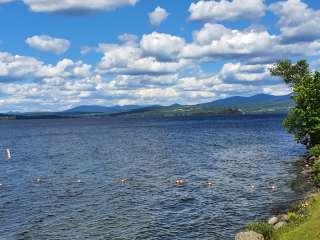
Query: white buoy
[[8, 154]]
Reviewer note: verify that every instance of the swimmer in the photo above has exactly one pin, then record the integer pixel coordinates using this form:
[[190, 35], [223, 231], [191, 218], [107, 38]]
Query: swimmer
[[210, 183], [274, 188], [180, 182], [124, 181], [252, 188], [39, 180]]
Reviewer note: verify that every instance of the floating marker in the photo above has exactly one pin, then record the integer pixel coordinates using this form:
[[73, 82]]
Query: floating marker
[[8, 154]]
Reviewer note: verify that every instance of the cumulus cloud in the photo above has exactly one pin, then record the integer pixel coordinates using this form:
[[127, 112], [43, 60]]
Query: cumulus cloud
[[128, 39], [78, 6], [20, 68], [245, 73], [226, 10], [156, 54], [158, 16], [216, 42], [297, 21], [46, 43], [6, 1], [130, 61], [162, 46]]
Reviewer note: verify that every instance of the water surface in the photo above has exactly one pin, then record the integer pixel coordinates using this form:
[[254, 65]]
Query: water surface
[[234, 151]]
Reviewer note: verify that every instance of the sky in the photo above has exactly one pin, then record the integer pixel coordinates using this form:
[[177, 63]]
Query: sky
[[59, 54]]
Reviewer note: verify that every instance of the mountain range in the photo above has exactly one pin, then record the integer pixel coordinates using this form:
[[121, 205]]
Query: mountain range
[[257, 104]]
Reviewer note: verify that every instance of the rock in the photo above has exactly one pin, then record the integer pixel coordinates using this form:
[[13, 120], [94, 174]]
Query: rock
[[312, 158], [249, 236], [280, 224], [283, 218], [273, 220], [307, 171]]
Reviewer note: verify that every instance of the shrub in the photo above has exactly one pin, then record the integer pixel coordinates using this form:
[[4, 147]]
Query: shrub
[[293, 217], [315, 151], [316, 169], [263, 228]]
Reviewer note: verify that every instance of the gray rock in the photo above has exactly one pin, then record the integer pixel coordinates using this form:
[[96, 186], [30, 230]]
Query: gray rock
[[280, 224], [273, 220], [312, 158], [249, 236], [283, 218]]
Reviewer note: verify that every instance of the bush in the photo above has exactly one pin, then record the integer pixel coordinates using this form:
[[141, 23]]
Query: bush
[[315, 151], [293, 217], [316, 169], [263, 228]]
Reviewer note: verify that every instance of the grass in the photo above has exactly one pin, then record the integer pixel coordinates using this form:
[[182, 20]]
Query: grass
[[309, 229], [263, 228]]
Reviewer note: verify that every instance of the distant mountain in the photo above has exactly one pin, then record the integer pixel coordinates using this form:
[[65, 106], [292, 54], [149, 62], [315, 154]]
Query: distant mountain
[[261, 103], [260, 99], [257, 104]]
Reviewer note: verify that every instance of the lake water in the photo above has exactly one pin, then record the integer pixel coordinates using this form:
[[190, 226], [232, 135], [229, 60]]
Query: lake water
[[82, 160]]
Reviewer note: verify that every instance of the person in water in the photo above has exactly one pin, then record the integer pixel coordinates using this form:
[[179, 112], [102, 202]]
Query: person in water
[[210, 183], [180, 182]]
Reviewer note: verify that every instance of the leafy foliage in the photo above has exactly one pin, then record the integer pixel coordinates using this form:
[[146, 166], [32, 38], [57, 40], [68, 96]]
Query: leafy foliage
[[263, 228], [316, 169], [304, 119], [315, 151]]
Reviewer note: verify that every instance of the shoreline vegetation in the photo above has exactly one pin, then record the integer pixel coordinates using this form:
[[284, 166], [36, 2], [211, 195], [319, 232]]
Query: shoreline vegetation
[[303, 220]]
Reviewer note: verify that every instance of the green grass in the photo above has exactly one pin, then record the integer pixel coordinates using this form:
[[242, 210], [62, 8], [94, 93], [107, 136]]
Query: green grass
[[309, 229]]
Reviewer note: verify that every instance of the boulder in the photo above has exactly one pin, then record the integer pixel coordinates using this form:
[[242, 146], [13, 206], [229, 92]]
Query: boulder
[[312, 158], [283, 218], [273, 220], [280, 224], [249, 236]]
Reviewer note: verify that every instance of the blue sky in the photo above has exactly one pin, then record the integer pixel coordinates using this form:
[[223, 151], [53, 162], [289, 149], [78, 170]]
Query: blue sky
[[59, 54]]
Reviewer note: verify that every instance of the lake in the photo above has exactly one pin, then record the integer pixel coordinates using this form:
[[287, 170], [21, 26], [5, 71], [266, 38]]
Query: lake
[[80, 163]]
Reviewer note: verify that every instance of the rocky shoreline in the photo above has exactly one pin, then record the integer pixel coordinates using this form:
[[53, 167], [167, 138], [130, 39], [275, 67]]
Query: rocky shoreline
[[276, 222]]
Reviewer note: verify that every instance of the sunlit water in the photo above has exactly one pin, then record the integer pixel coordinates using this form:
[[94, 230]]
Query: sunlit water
[[81, 161]]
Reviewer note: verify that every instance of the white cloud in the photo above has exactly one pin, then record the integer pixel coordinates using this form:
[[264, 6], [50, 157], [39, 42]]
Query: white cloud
[[162, 45], [216, 42], [15, 66], [237, 72], [128, 39], [20, 68], [129, 60], [48, 44], [76, 6], [6, 1], [157, 54], [226, 10], [297, 21], [158, 16]]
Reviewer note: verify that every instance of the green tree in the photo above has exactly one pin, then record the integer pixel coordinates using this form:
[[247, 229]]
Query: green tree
[[304, 119]]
